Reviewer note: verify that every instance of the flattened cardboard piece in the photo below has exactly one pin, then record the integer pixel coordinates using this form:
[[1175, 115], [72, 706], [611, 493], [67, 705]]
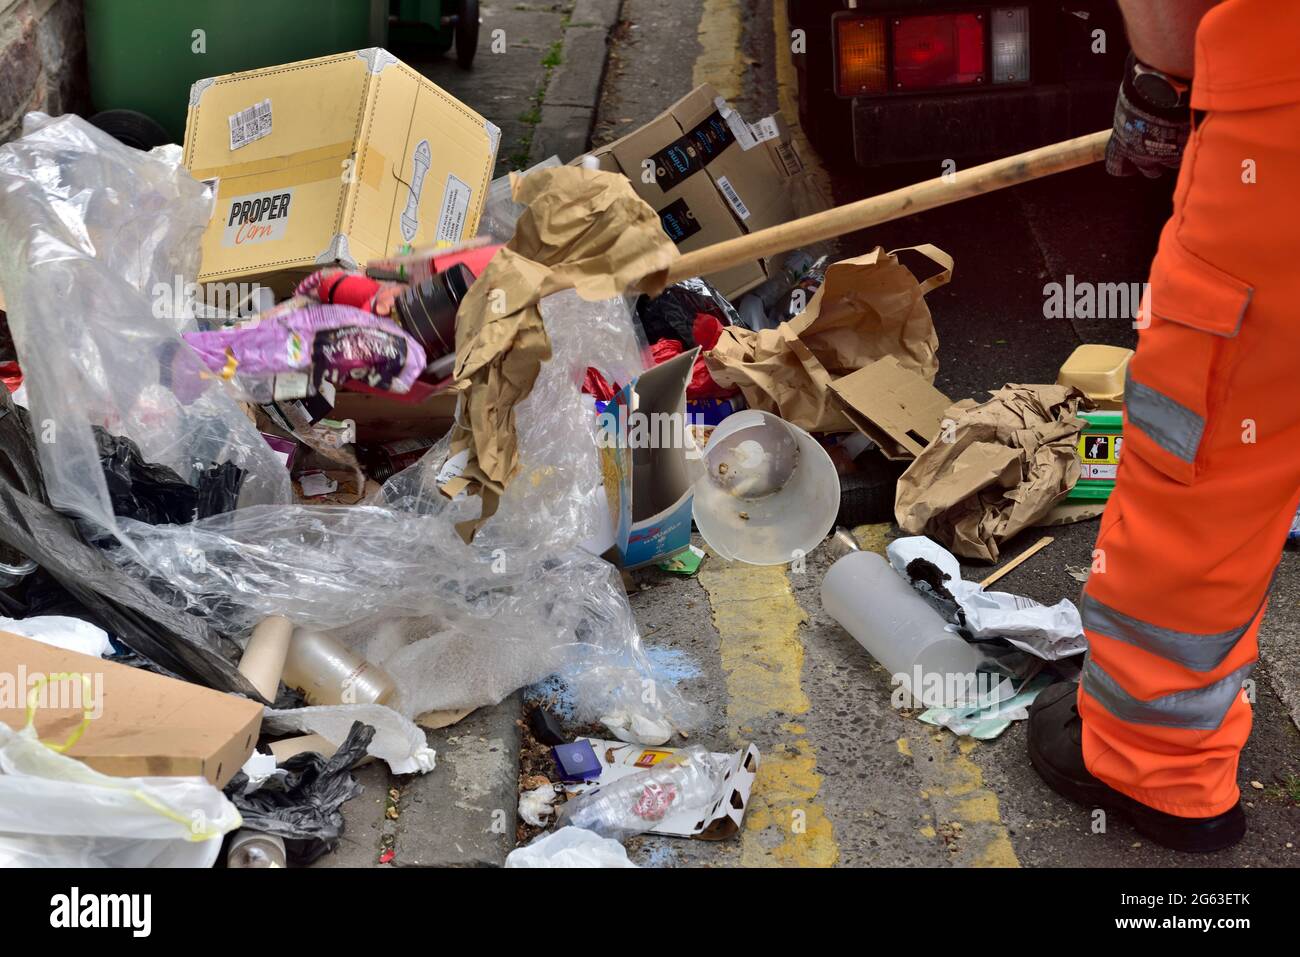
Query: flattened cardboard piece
[[141, 724], [342, 158], [648, 488], [894, 407], [719, 821]]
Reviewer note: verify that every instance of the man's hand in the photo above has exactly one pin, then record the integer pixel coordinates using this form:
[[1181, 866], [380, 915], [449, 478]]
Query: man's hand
[[1147, 138]]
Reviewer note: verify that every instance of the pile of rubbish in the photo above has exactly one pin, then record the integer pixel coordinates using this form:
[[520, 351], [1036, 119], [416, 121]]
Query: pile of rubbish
[[279, 483]]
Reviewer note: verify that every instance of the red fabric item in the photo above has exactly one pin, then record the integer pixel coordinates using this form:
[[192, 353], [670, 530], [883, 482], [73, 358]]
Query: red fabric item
[[665, 349], [594, 384], [11, 377], [342, 288], [701, 384], [707, 330]]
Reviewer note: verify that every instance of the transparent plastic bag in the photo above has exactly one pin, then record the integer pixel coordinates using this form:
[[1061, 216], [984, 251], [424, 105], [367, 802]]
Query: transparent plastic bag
[[96, 238], [461, 625]]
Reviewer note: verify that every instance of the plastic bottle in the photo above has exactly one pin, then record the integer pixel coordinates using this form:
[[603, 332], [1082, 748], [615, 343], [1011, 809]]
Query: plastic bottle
[[327, 673], [638, 802], [910, 639], [253, 849]]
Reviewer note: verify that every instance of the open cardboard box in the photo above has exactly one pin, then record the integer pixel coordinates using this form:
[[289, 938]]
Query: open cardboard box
[[340, 159], [383, 419], [648, 488], [140, 724], [710, 176]]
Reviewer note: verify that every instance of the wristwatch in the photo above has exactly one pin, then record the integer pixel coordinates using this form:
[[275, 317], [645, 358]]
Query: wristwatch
[[1159, 89]]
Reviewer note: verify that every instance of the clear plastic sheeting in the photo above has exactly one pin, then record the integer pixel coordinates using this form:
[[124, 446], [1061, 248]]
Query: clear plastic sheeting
[[97, 244], [460, 625]]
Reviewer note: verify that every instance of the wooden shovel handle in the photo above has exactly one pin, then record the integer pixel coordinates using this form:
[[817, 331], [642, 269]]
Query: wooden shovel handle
[[985, 178]]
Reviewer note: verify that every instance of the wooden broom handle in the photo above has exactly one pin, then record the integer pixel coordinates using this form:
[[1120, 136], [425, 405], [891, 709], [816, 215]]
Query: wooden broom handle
[[985, 178]]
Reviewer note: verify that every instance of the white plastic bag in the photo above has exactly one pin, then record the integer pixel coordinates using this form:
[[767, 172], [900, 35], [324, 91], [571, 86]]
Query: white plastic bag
[[397, 742], [57, 812], [1051, 632], [59, 631], [570, 847]]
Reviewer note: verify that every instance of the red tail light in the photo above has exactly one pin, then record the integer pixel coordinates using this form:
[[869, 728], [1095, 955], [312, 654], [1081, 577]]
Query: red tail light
[[937, 51]]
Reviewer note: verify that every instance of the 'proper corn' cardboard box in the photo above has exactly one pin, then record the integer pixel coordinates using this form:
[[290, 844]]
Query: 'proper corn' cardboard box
[[342, 159], [711, 176]]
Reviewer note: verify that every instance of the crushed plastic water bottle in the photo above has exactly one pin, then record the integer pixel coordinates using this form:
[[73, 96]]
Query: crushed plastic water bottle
[[637, 803]]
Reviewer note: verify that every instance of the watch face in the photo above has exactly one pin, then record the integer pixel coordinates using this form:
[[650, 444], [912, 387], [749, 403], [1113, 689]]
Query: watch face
[[1155, 89]]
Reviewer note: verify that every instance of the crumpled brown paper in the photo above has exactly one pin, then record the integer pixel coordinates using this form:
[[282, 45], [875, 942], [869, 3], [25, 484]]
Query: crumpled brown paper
[[868, 308], [584, 230], [997, 467]]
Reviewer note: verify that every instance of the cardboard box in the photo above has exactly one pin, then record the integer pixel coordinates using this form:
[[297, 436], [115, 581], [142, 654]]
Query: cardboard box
[[341, 159], [644, 464], [141, 724], [894, 407], [720, 820], [710, 176], [381, 419]]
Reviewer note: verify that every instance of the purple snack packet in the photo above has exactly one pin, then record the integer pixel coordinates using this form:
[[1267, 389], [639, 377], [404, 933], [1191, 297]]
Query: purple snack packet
[[338, 343]]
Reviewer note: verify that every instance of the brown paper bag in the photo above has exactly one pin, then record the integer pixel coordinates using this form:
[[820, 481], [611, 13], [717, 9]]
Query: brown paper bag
[[997, 467], [868, 308], [583, 229]]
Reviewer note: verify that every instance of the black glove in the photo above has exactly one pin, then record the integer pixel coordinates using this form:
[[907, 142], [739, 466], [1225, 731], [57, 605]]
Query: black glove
[[1148, 138]]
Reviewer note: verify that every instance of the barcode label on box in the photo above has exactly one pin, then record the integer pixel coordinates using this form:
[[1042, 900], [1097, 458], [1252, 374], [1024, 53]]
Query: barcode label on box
[[250, 124], [766, 129], [789, 159], [733, 197]]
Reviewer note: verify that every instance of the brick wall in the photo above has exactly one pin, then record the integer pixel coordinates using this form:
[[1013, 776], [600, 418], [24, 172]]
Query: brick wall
[[42, 60]]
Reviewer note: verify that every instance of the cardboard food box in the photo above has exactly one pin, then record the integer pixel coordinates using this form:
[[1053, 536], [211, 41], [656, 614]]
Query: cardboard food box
[[140, 724], [341, 159], [711, 176], [643, 457], [894, 407], [720, 820]]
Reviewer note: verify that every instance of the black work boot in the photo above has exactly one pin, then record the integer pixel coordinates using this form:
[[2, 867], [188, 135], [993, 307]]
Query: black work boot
[[1056, 751]]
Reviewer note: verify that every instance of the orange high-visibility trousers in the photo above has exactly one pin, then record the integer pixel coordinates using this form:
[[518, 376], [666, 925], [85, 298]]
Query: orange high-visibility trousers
[[1210, 469]]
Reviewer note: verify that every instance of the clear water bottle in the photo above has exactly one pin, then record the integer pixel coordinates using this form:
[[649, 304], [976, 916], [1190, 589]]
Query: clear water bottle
[[638, 802]]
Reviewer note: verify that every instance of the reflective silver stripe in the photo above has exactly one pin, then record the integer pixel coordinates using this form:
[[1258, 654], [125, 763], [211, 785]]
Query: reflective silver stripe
[[1199, 652], [1200, 709], [1171, 425]]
